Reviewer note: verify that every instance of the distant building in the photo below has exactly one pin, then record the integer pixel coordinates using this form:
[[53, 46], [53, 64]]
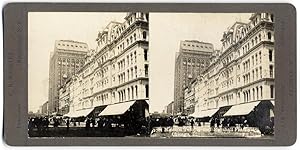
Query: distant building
[[64, 98], [189, 98], [170, 108], [67, 58], [191, 60], [45, 108]]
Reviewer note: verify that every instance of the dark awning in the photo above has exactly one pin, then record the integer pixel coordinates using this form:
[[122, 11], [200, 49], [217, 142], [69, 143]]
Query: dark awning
[[97, 110]]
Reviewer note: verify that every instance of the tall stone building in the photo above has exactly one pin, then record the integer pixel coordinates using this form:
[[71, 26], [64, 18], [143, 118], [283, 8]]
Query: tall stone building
[[192, 58], [242, 76], [65, 61], [115, 74]]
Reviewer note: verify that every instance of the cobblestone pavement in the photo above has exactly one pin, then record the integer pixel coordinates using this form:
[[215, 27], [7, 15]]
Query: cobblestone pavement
[[205, 131]]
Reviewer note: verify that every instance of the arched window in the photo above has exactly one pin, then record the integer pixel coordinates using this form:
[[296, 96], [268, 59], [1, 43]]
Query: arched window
[[128, 90], [147, 90], [257, 93], [271, 71], [269, 36], [124, 94], [272, 91], [132, 92], [136, 91], [270, 55], [272, 17], [253, 92], [261, 92], [145, 35]]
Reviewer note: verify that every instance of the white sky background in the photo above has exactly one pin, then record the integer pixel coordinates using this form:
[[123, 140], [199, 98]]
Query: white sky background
[[166, 31]]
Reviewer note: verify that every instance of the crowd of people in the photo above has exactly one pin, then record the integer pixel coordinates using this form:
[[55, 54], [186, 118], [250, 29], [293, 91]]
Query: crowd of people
[[143, 125], [40, 123], [228, 124], [134, 125]]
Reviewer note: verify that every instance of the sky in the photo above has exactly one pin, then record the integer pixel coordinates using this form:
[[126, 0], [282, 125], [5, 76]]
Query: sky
[[166, 31]]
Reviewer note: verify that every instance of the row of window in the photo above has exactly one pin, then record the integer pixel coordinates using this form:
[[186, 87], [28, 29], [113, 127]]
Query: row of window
[[130, 40], [248, 95], [255, 40], [102, 73], [131, 74], [256, 59], [72, 45], [195, 61], [201, 46], [102, 83], [103, 58], [246, 77], [227, 73], [227, 83], [228, 59], [102, 97], [131, 58], [131, 93]]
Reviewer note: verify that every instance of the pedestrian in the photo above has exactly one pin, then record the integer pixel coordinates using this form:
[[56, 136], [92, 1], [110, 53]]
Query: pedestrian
[[68, 124], [74, 122], [47, 122], [232, 124], [39, 124], [44, 124], [87, 124], [56, 123], [93, 122], [192, 123], [218, 122], [224, 124], [31, 124], [212, 124]]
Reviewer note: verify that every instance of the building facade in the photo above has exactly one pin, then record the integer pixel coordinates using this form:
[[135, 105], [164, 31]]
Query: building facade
[[45, 108], [117, 70], [64, 98], [191, 60], [67, 58], [170, 108], [243, 71], [189, 97]]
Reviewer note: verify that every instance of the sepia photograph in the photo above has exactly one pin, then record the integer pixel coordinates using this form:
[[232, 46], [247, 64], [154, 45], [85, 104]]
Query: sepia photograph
[[88, 74], [150, 74], [212, 74]]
